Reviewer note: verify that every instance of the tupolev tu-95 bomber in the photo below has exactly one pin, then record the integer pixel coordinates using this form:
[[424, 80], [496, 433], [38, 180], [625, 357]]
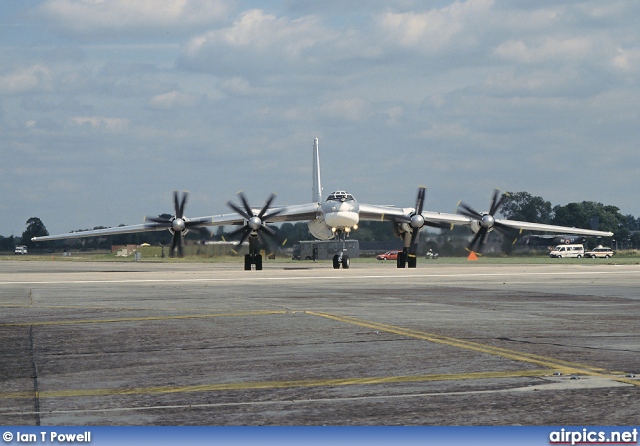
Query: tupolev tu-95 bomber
[[331, 218]]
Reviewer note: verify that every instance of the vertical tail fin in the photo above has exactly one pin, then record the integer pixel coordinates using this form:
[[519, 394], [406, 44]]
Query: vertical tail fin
[[317, 186]]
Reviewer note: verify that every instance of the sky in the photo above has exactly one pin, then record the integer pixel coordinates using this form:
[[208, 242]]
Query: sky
[[108, 106]]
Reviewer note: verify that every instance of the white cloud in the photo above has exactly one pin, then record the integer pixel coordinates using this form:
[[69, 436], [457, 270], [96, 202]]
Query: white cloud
[[260, 42], [352, 109], [260, 31], [88, 17], [627, 60], [97, 122], [558, 49], [173, 99], [34, 78], [433, 30]]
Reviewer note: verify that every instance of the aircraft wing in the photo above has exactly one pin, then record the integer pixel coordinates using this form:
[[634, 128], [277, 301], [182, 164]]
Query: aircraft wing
[[551, 228], [307, 211], [298, 212], [128, 229], [391, 213], [369, 212]]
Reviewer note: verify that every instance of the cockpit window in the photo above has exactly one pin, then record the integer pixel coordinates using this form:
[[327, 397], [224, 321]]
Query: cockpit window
[[340, 196]]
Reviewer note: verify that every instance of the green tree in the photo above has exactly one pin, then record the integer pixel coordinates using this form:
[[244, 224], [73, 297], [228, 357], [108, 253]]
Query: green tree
[[35, 228], [589, 214], [7, 243], [523, 206]]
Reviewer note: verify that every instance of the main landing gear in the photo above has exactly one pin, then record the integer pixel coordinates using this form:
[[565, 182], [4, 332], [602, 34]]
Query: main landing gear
[[406, 259], [252, 259]]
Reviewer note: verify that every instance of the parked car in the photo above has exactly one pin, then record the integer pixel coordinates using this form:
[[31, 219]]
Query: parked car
[[561, 251], [599, 251], [389, 255]]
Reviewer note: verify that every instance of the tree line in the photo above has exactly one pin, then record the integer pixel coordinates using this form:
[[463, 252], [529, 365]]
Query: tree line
[[587, 214], [517, 206]]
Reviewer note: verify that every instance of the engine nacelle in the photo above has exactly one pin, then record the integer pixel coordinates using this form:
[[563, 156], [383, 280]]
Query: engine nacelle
[[487, 222], [319, 229], [179, 225], [400, 229]]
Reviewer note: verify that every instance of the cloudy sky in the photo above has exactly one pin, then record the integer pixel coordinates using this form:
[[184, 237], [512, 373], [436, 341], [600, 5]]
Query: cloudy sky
[[107, 106]]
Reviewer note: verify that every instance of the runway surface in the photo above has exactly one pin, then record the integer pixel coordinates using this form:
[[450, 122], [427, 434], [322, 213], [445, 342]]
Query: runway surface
[[90, 343]]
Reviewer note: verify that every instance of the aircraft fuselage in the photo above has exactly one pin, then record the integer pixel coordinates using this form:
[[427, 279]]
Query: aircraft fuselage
[[341, 211]]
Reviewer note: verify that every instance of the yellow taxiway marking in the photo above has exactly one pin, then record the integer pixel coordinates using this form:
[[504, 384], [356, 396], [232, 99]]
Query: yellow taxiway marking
[[143, 318], [550, 364], [330, 382], [566, 367]]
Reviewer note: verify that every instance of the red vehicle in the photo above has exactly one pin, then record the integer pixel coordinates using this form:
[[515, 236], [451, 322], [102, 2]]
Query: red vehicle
[[389, 255]]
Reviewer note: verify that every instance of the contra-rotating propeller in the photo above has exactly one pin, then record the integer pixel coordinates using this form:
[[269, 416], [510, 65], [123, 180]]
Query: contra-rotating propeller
[[178, 225], [485, 220], [417, 221], [254, 223]]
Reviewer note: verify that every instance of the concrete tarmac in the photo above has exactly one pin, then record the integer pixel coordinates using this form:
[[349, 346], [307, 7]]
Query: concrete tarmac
[[141, 343]]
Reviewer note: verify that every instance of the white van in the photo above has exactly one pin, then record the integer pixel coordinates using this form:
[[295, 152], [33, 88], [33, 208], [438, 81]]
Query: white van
[[567, 251]]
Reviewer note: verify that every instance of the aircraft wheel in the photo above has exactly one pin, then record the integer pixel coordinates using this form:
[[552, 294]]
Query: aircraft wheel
[[247, 262], [345, 262], [412, 262], [258, 262], [402, 260], [336, 262]]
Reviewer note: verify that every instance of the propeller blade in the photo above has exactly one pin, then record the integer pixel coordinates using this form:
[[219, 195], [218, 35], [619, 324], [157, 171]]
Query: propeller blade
[[468, 211], [245, 235], [246, 204], [176, 204], [271, 214], [415, 237], [180, 246], [478, 241], [238, 210], [494, 201], [440, 225], [161, 221], [237, 231], [269, 231], [503, 198], [175, 240], [420, 199], [180, 211], [267, 205]]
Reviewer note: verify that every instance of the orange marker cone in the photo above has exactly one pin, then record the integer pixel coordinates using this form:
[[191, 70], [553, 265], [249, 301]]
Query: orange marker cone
[[472, 256]]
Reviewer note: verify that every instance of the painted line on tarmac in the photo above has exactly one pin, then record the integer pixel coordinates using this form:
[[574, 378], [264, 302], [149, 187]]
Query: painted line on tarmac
[[331, 400], [245, 279], [242, 386], [566, 367], [145, 318]]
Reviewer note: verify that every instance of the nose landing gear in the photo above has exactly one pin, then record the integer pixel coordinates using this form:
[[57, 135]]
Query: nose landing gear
[[341, 259]]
